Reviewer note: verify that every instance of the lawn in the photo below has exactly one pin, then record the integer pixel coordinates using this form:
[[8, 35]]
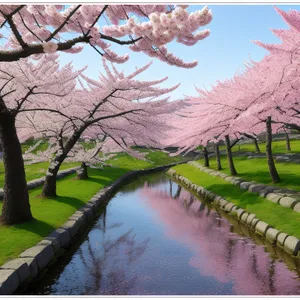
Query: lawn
[[153, 158], [277, 146], [35, 171], [281, 218], [256, 169], [52, 213], [41, 147]]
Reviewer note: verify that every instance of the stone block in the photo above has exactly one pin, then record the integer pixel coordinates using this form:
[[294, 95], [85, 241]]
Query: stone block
[[222, 202], [42, 253], [297, 207], [254, 222], [292, 245], [240, 212], [287, 202], [271, 235], [236, 182], [88, 212], [281, 238], [217, 199], [20, 266], [263, 193], [262, 227], [62, 235], [256, 188], [72, 226], [223, 175], [274, 197], [250, 217], [80, 219], [228, 207], [52, 241], [245, 185], [199, 189], [33, 266], [228, 178], [244, 217], [9, 281], [233, 211]]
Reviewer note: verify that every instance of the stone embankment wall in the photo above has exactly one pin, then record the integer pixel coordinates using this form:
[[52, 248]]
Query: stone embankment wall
[[284, 197], [32, 264], [289, 244]]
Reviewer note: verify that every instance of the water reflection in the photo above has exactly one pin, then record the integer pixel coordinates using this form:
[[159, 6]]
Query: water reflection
[[217, 251], [156, 238], [100, 264]]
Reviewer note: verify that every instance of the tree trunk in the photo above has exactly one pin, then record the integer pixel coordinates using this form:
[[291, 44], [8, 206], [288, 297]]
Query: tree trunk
[[218, 158], [206, 159], [49, 188], [287, 142], [272, 169], [16, 206], [257, 150], [83, 172], [229, 156]]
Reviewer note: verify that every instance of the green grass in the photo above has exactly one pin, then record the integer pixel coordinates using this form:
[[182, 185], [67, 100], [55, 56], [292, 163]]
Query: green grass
[[35, 171], [51, 213], [278, 147], [281, 218], [73, 194], [256, 169], [153, 158], [41, 147]]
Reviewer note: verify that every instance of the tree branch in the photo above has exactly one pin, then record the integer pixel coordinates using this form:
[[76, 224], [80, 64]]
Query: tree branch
[[59, 28]]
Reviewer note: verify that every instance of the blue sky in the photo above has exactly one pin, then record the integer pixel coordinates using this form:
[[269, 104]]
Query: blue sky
[[219, 56]]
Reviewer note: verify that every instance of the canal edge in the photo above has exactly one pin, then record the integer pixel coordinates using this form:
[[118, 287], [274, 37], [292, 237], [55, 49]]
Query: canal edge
[[31, 265], [290, 244]]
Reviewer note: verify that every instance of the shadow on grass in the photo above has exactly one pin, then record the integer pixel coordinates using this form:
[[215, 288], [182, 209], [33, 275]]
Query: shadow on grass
[[75, 202], [287, 179], [37, 227]]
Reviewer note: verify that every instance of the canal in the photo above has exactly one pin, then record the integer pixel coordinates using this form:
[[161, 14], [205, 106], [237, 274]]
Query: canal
[[156, 238]]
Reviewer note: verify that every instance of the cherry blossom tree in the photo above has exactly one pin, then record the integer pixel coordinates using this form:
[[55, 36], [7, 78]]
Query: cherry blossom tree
[[25, 85], [116, 105], [38, 29]]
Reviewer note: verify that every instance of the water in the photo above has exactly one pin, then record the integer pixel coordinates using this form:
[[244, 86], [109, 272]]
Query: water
[[156, 238]]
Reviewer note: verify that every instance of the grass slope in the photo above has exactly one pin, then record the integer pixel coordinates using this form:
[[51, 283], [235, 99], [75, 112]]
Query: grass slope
[[256, 169], [278, 147], [35, 171], [281, 218]]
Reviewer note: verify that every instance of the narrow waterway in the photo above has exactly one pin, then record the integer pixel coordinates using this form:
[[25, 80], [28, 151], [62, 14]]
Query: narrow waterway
[[156, 238]]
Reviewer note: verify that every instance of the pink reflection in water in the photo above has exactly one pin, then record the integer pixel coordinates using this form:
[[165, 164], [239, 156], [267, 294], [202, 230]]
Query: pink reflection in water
[[218, 252]]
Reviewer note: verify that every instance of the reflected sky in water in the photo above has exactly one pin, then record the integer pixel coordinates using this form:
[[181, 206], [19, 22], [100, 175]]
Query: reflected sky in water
[[155, 238]]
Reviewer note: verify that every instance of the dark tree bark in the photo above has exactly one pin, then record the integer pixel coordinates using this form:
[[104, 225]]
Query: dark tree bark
[[229, 156], [83, 172], [205, 155], [272, 169], [16, 207], [218, 157], [49, 188], [178, 191], [287, 142], [257, 150]]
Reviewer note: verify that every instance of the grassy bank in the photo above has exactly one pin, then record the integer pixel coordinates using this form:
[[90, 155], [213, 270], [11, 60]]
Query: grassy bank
[[35, 171], [277, 146], [52, 213], [256, 169], [281, 218]]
